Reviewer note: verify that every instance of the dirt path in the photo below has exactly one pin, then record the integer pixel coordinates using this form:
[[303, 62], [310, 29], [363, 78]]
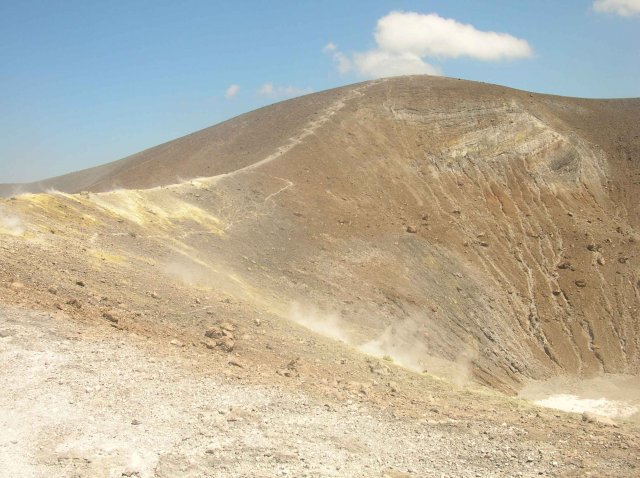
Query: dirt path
[[307, 131]]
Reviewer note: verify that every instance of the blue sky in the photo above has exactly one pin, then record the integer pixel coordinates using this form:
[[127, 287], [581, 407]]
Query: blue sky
[[86, 82]]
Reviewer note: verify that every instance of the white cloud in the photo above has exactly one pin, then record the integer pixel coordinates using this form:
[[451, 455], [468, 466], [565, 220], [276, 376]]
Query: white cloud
[[231, 92], [625, 8], [379, 63], [434, 36], [405, 39], [271, 91], [329, 48], [266, 90], [343, 63]]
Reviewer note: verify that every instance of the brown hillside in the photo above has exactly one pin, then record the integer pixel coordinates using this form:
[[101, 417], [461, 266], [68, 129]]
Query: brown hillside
[[524, 259], [283, 293]]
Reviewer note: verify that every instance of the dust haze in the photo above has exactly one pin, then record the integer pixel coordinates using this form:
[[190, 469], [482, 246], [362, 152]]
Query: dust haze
[[194, 273], [327, 324], [403, 344], [11, 223]]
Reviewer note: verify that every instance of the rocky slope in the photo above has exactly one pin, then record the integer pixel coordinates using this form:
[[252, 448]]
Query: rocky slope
[[481, 234]]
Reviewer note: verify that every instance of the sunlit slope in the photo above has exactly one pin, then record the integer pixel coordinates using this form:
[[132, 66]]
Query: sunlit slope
[[223, 148], [470, 230]]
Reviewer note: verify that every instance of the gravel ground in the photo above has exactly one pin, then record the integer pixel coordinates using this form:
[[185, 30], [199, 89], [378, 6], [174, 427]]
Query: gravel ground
[[83, 401]]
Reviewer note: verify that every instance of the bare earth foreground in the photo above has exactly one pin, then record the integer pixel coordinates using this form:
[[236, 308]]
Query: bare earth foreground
[[82, 400], [358, 282]]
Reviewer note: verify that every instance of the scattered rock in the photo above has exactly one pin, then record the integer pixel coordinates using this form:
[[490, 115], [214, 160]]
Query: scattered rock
[[80, 283], [5, 333], [581, 283], [16, 285], [135, 421], [236, 415], [412, 229], [600, 260], [594, 247], [593, 418], [154, 295], [293, 364], [177, 343], [291, 369], [379, 368], [623, 260], [213, 333], [227, 344], [287, 373], [75, 303], [565, 265], [111, 316], [53, 290], [223, 334]]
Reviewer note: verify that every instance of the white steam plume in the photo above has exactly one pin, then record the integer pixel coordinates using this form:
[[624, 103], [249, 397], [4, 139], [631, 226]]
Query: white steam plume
[[329, 325], [10, 223], [404, 344]]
